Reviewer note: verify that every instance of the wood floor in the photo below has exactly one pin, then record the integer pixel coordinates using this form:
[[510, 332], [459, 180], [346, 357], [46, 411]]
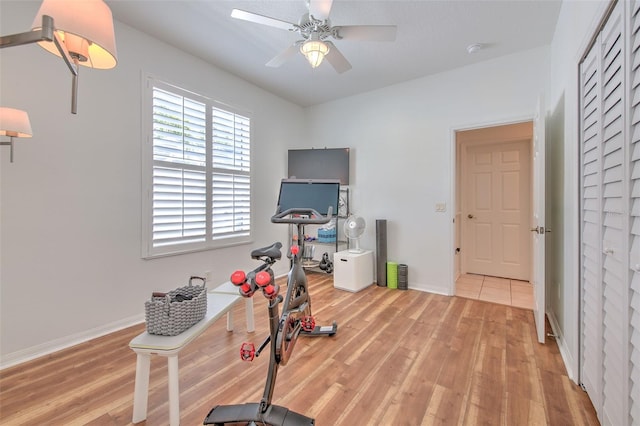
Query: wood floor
[[399, 358]]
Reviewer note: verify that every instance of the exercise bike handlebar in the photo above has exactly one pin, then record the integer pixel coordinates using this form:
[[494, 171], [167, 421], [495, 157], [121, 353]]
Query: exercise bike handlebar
[[287, 216]]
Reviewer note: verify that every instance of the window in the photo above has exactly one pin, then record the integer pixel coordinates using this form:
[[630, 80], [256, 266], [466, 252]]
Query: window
[[197, 173]]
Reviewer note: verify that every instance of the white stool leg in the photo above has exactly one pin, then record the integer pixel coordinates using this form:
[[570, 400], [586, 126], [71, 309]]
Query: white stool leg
[[141, 392], [174, 391], [249, 311], [230, 320]]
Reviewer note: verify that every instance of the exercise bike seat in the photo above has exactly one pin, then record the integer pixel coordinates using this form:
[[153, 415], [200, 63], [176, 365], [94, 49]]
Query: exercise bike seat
[[272, 251]]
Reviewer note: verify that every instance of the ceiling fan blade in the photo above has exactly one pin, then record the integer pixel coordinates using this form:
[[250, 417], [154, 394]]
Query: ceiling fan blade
[[368, 32], [336, 59], [283, 56], [320, 9], [261, 19]]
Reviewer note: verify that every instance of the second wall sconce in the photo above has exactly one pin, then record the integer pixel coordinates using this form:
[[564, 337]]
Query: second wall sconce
[[15, 124]]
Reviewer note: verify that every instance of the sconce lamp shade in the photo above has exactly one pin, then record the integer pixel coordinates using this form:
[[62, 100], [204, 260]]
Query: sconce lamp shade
[[14, 123], [85, 27], [314, 50]]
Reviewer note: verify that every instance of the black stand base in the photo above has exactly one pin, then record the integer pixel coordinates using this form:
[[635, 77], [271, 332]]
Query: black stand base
[[250, 414], [324, 330]]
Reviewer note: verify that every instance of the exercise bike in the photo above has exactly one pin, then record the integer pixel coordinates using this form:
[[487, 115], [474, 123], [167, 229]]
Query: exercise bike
[[285, 328]]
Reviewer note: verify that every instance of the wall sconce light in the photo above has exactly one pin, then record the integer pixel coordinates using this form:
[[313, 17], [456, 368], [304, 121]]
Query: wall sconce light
[[15, 124], [82, 34]]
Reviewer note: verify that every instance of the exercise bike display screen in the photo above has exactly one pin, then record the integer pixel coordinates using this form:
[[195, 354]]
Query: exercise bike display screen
[[309, 194]]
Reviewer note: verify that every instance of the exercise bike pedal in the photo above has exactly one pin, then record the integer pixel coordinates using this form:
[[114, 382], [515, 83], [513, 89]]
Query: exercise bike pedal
[[308, 323], [322, 330], [247, 351]]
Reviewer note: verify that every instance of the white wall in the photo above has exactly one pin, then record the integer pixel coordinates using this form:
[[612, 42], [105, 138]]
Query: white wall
[[70, 208], [577, 22], [402, 147]]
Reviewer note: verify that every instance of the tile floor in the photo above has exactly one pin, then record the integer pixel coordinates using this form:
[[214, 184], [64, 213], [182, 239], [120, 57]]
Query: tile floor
[[497, 290]]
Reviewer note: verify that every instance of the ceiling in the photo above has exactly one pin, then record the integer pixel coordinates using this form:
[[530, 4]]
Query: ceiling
[[432, 37]]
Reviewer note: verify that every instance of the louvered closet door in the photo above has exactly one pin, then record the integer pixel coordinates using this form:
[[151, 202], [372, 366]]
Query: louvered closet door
[[608, 101], [634, 216], [614, 249], [591, 313]]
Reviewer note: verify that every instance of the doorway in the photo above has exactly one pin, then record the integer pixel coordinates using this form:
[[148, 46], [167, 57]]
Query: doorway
[[494, 209]]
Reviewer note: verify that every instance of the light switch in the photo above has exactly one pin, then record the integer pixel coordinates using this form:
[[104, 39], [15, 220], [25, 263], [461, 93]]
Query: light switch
[[441, 207]]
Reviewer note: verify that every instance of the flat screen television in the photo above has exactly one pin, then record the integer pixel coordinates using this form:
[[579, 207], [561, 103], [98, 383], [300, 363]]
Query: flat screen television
[[322, 163], [309, 194]]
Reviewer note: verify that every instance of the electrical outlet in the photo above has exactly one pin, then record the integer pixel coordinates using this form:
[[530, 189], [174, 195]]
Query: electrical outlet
[[207, 276]]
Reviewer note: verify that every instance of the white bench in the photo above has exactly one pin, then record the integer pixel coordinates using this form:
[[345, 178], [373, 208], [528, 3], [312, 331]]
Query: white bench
[[220, 301]]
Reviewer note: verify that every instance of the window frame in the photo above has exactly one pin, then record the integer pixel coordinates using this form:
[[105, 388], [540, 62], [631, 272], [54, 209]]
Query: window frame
[[148, 251]]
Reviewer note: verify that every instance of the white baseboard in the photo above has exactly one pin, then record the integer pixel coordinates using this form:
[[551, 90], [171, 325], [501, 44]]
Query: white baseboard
[[46, 348], [562, 345], [435, 290]]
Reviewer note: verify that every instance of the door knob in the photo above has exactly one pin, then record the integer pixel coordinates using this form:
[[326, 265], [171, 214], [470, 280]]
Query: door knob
[[470, 216], [536, 229]]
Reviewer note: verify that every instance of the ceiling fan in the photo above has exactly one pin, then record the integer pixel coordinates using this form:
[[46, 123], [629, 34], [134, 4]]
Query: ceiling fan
[[315, 28]]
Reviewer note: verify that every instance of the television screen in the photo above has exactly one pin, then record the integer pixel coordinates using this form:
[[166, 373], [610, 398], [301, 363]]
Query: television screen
[[327, 163], [309, 194]]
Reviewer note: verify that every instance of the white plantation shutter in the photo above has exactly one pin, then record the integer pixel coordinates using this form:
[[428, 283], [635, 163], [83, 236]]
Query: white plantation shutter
[[179, 179], [231, 184], [200, 173], [231, 210], [179, 206], [179, 129], [231, 141]]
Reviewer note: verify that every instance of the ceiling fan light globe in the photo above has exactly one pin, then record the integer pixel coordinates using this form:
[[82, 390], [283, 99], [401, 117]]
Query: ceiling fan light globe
[[314, 51]]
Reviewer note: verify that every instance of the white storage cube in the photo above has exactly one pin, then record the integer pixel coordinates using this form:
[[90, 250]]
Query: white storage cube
[[352, 271]]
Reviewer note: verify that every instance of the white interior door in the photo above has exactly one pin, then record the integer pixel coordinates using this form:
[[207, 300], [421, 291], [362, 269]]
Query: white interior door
[[538, 228], [497, 209]]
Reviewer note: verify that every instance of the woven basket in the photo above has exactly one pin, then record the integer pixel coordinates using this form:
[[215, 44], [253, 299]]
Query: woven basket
[[169, 314]]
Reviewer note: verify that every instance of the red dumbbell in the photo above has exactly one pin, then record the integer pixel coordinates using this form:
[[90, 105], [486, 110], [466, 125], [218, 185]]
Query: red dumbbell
[[264, 280], [271, 291], [238, 278], [246, 290]]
